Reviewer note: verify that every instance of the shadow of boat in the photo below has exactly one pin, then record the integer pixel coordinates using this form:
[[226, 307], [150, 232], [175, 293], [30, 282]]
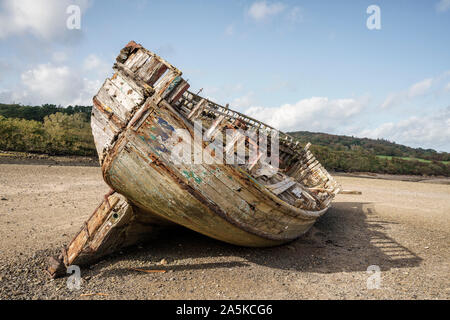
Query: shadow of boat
[[349, 238]]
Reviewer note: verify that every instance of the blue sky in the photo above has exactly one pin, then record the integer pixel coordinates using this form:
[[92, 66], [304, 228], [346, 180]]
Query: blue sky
[[299, 65]]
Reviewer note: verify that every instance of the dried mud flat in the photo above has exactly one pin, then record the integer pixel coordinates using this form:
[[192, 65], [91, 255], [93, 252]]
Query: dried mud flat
[[402, 227]]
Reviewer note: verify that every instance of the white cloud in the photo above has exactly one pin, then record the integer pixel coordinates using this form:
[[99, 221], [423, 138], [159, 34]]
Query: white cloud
[[224, 94], [420, 88], [295, 14], [314, 114], [432, 131], [447, 87], [229, 30], [261, 10], [244, 101], [443, 5], [92, 62], [392, 99], [97, 66], [5, 69], [44, 19], [47, 83], [55, 82], [59, 56]]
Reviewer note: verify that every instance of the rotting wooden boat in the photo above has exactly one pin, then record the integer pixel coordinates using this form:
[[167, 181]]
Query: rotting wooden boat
[[135, 117]]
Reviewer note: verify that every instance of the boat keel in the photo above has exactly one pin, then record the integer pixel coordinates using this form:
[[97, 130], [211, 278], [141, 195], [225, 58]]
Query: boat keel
[[115, 224]]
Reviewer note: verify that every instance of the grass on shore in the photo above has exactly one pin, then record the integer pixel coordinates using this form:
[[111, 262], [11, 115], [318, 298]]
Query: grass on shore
[[410, 159]]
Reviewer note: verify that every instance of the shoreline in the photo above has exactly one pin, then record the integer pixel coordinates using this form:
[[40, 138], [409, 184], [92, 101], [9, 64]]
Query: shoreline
[[394, 177], [25, 158]]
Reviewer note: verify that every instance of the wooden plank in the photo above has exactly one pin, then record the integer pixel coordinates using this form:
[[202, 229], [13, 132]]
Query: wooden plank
[[116, 100], [147, 68], [162, 84], [197, 109], [254, 161], [178, 92], [131, 59], [172, 86], [211, 132], [265, 170], [127, 87], [157, 73], [140, 59], [91, 226], [238, 140], [104, 120], [282, 186], [101, 137], [152, 70]]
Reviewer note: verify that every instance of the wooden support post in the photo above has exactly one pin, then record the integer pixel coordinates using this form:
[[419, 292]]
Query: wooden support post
[[197, 110]]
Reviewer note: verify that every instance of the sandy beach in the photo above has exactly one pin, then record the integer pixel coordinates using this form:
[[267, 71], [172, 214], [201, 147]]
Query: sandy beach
[[402, 227]]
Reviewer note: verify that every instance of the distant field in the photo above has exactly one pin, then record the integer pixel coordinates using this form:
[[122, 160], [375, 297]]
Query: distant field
[[410, 159]]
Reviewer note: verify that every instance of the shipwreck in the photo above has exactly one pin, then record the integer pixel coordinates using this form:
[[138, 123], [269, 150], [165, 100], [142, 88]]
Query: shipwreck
[[137, 116]]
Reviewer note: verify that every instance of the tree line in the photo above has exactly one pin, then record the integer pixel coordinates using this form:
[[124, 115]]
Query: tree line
[[351, 154], [54, 130], [59, 133], [361, 160], [38, 113]]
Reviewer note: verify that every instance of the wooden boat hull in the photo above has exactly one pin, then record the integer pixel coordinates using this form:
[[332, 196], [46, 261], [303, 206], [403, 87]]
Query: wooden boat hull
[[216, 200], [135, 115]]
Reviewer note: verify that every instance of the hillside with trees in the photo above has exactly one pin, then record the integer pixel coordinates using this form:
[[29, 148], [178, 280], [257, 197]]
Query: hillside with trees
[[47, 129], [350, 154], [380, 147]]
